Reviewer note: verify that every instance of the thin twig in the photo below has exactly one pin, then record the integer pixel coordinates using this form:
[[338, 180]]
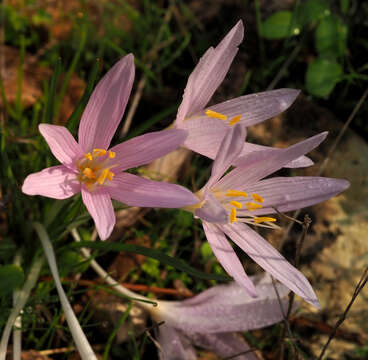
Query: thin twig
[[362, 282]]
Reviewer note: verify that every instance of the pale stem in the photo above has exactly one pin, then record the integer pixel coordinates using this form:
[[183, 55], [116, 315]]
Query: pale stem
[[17, 332], [81, 342], [21, 300]]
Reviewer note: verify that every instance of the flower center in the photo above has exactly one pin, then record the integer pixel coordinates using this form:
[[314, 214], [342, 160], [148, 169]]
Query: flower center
[[216, 115], [240, 200], [95, 168]]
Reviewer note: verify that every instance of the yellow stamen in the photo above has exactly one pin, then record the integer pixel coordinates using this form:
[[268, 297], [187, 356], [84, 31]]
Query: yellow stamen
[[234, 120], [253, 206], [233, 215], [101, 179], [110, 175], [258, 198], [258, 220], [89, 173], [99, 152], [214, 114], [234, 193], [111, 154], [88, 156], [237, 204]]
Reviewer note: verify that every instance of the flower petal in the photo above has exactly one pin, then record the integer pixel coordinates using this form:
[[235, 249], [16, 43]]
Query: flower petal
[[229, 150], [226, 345], [99, 205], [206, 134], [146, 148], [57, 182], [174, 345], [271, 260], [255, 108], [267, 162], [226, 308], [293, 193], [106, 106], [136, 191], [250, 149], [61, 143], [227, 257], [209, 73]]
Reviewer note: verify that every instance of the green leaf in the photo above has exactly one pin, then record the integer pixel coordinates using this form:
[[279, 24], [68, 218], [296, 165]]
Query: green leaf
[[152, 253], [322, 76], [280, 25], [331, 36], [313, 10], [11, 276]]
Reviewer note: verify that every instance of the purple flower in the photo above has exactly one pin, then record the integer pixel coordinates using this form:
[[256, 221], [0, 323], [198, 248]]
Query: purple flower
[[207, 127], [90, 167], [227, 203], [210, 319]]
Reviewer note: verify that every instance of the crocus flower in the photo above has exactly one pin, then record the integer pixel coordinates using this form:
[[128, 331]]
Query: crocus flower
[[227, 203], [210, 319], [207, 126], [90, 167]]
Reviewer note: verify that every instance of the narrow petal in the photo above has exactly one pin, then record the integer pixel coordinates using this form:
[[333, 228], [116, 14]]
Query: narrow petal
[[227, 308], [209, 73], [250, 171], [212, 211], [146, 148], [174, 345], [291, 193], [226, 345], [227, 257], [271, 260], [136, 191], [57, 182], [249, 148], [229, 150], [255, 108], [99, 205], [106, 106], [61, 143]]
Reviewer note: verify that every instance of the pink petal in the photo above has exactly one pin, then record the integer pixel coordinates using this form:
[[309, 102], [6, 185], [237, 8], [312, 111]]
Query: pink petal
[[57, 182], [99, 205], [296, 192], [227, 257], [226, 345], [204, 135], [146, 148], [255, 108], [136, 191], [267, 162], [61, 143], [174, 345], [227, 308], [209, 73], [229, 150], [271, 260], [106, 106], [251, 149]]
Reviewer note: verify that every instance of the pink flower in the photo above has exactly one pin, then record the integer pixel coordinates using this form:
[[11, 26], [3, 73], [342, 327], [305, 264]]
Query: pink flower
[[90, 167], [207, 127], [211, 318], [228, 202]]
